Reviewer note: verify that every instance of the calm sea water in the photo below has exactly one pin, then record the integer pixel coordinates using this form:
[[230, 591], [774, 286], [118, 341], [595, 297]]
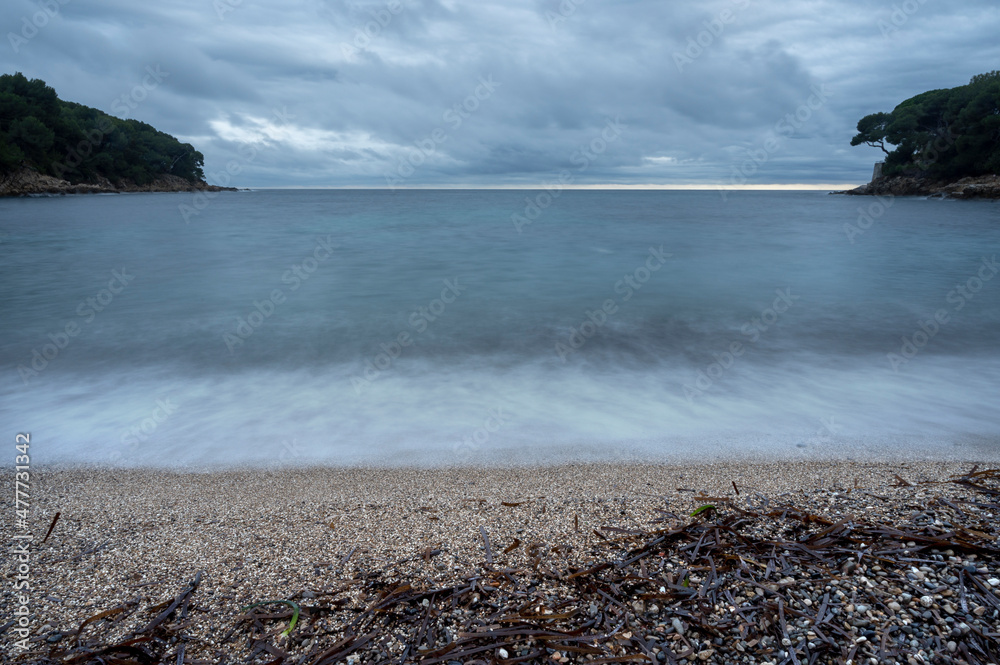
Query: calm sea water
[[427, 327]]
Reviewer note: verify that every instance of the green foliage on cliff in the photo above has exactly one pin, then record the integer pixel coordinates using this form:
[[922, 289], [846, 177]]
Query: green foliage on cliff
[[82, 144], [942, 133]]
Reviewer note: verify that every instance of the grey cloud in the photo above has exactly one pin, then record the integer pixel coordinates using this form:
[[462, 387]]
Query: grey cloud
[[364, 82]]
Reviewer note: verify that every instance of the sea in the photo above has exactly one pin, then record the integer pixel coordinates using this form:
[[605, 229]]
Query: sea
[[282, 328]]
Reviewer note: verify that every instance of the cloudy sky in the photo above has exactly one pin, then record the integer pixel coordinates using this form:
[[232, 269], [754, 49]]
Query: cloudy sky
[[327, 93]]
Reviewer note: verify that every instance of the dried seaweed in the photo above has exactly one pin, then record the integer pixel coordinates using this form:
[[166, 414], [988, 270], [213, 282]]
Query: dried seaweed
[[51, 527]]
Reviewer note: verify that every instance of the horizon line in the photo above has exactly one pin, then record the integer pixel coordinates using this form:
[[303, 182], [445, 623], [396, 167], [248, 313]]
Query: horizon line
[[605, 186]]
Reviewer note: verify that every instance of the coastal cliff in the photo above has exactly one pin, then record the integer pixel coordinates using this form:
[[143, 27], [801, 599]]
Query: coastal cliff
[[978, 187], [29, 182]]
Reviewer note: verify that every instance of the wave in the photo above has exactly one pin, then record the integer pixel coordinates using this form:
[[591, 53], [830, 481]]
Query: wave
[[430, 412]]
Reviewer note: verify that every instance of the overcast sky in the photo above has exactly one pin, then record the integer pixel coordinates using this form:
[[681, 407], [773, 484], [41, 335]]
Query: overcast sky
[[323, 93]]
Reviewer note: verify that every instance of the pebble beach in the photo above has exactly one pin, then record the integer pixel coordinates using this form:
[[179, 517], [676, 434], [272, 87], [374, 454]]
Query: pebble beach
[[466, 565]]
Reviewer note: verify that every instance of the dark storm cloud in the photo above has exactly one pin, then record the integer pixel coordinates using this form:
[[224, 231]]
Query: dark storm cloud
[[437, 92]]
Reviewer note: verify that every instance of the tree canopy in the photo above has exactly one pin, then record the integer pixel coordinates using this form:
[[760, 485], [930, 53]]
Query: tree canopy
[[949, 133], [83, 144]]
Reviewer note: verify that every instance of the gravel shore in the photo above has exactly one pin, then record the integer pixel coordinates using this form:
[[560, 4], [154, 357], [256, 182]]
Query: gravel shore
[[415, 562]]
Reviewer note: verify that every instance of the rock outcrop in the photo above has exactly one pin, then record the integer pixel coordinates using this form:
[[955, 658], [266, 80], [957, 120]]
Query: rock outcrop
[[28, 182], [981, 187]]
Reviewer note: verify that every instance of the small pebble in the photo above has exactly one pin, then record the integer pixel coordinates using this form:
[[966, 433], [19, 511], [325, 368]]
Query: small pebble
[[926, 601]]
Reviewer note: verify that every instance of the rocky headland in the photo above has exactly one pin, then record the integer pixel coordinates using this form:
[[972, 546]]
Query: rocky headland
[[981, 187], [29, 182]]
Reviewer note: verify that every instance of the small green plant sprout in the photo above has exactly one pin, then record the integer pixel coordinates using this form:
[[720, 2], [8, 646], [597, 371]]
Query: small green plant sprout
[[291, 604], [702, 509]]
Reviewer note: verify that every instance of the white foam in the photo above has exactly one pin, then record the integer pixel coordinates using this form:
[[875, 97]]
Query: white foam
[[426, 413]]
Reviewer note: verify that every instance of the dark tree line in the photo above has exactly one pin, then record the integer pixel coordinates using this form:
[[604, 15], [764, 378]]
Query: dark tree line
[[949, 133], [83, 144]]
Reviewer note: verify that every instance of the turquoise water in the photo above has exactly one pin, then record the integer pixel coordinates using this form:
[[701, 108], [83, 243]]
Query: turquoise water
[[428, 327]]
